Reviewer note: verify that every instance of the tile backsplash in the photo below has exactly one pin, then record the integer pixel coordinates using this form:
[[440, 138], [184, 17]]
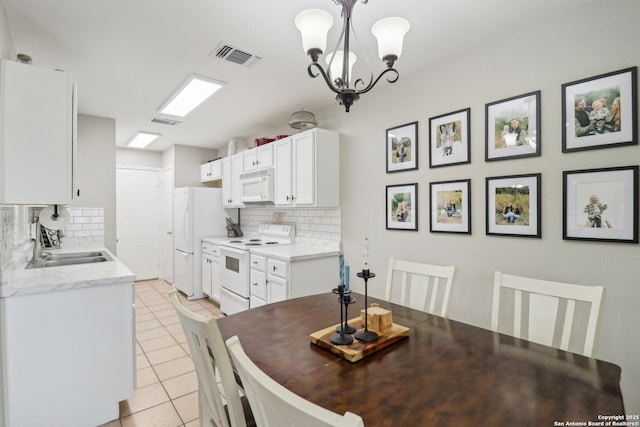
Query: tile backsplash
[[316, 223], [7, 233], [86, 222]]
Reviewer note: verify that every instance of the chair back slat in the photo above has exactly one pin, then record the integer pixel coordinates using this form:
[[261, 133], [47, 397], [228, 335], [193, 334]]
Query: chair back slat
[[548, 304], [419, 281], [274, 405], [210, 357]]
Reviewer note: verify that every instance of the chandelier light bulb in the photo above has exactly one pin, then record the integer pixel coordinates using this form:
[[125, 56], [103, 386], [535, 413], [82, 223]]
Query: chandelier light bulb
[[314, 25], [390, 34], [336, 66]]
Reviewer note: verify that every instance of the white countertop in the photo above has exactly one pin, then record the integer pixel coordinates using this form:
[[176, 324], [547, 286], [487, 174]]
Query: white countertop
[[20, 281], [302, 248]]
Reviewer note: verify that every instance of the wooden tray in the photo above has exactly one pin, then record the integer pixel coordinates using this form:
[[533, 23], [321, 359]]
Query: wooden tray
[[358, 349]]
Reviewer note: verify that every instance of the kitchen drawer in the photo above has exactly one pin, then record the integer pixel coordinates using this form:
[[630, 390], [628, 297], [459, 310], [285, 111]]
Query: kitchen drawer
[[277, 268], [215, 250], [259, 284], [258, 262], [206, 247]]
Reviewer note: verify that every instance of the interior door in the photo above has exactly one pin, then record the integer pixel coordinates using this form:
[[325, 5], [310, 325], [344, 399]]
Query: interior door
[[138, 221], [167, 225]]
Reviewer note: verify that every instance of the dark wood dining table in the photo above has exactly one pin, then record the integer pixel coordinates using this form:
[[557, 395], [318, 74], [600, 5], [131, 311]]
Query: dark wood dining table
[[446, 373]]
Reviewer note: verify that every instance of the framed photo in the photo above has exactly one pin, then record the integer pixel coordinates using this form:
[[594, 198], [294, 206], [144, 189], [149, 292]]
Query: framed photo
[[450, 206], [402, 148], [600, 112], [601, 204], [513, 205], [449, 139], [402, 207], [513, 127]]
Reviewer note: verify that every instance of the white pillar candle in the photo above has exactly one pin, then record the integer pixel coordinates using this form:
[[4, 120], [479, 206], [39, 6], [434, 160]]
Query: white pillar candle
[[365, 254]]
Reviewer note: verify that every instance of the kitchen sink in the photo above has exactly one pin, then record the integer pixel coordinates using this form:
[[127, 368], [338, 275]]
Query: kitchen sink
[[57, 260]]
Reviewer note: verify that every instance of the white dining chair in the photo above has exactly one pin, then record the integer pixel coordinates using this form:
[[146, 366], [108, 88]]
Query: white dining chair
[[419, 286], [210, 357], [544, 311], [273, 405]]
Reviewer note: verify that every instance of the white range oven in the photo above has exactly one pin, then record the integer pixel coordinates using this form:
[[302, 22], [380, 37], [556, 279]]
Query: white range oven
[[234, 261]]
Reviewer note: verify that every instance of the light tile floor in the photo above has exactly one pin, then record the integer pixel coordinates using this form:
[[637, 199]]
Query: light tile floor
[[167, 387]]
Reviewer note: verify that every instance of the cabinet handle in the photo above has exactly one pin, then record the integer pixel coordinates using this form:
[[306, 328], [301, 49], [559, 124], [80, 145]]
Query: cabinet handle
[[274, 268], [293, 198], [78, 193], [254, 284], [254, 262], [287, 198]]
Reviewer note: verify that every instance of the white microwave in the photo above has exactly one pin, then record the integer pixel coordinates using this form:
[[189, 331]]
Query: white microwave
[[257, 186]]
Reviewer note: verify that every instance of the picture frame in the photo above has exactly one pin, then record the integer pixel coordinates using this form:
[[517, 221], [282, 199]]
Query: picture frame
[[601, 204], [512, 127], [402, 147], [600, 112], [402, 207], [450, 206], [514, 205], [450, 139]]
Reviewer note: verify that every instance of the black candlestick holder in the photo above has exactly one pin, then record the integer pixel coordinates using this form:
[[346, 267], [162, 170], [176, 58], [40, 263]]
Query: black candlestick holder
[[344, 299], [345, 327], [364, 334]]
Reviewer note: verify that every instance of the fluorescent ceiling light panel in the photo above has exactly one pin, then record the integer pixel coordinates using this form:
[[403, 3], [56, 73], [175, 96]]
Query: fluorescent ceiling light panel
[[142, 139], [191, 94]]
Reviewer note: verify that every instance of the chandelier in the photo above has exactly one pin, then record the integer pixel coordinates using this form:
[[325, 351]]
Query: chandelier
[[314, 24]]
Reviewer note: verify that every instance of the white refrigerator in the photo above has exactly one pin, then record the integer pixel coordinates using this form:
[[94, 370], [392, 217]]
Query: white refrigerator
[[198, 213]]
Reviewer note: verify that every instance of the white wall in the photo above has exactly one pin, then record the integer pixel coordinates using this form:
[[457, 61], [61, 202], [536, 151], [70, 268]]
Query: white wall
[[7, 50], [96, 173], [596, 39], [187, 161], [135, 157]]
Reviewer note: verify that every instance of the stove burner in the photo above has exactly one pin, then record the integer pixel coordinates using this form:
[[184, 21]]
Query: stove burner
[[254, 240], [235, 241], [252, 244], [271, 243]]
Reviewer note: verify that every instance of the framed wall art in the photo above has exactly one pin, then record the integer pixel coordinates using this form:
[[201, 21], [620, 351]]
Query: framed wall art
[[450, 206], [600, 111], [601, 204], [402, 207], [402, 148], [513, 127], [513, 205], [449, 139]]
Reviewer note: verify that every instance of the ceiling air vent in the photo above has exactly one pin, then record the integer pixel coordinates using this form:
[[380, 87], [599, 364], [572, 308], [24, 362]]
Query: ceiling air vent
[[166, 122], [226, 52]]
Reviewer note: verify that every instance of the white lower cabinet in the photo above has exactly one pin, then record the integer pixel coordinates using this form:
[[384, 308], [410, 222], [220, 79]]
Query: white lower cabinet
[[68, 356], [211, 272], [274, 279]]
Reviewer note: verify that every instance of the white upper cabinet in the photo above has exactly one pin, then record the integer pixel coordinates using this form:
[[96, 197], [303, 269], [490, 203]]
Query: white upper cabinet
[[37, 135], [211, 171], [232, 167], [307, 169], [258, 158]]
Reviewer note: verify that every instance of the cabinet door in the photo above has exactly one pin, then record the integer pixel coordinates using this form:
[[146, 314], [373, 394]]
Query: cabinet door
[[265, 156], [304, 169], [283, 172], [37, 135], [237, 168], [227, 181], [216, 278], [206, 274], [277, 289], [205, 172], [250, 160]]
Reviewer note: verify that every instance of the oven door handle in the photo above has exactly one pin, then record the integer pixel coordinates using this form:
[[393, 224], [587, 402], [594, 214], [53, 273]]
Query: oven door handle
[[233, 251]]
